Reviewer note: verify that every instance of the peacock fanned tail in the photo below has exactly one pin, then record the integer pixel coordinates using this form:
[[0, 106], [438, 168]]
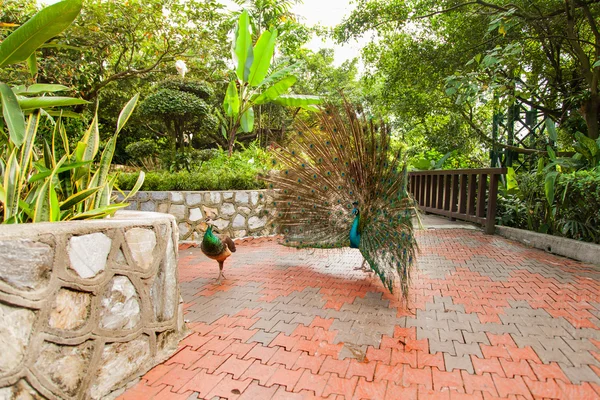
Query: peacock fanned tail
[[342, 165]]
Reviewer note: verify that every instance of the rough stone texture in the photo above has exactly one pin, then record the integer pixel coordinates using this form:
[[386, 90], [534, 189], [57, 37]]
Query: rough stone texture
[[119, 362], [141, 243], [25, 264], [65, 366], [15, 330], [70, 310], [50, 337], [163, 292], [237, 214], [88, 253], [120, 305]]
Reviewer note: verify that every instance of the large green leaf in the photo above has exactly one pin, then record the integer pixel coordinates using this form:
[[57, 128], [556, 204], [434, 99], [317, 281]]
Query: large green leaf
[[280, 74], [263, 53], [242, 50], [551, 129], [38, 88], [13, 116], [137, 186], [99, 212], [29, 103], [27, 150], [231, 104], [105, 161], [276, 90], [126, 112], [12, 186], [297, 100], [549, 186], [91, 140], [247, 120], [511, 180], [44, 25], [77, 198]]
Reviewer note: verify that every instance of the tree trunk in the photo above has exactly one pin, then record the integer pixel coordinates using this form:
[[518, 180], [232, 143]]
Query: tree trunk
[[591, 112]]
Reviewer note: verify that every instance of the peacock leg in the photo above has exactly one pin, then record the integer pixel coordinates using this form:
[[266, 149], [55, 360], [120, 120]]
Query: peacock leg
[[220, 273]]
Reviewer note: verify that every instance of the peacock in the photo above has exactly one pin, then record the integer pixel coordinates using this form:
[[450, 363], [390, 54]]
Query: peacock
[[217, 247], [339, 184]]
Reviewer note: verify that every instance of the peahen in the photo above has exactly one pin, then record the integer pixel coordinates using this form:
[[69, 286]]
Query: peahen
[[341, 185], [217, 247]]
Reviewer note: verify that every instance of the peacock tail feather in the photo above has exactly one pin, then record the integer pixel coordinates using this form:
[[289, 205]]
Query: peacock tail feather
[[343, 172]]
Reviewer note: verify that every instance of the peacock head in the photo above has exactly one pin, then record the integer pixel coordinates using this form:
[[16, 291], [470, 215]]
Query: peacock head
[[355, 210]]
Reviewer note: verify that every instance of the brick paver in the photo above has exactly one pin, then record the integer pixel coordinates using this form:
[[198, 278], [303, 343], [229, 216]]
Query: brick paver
[[487, 318]]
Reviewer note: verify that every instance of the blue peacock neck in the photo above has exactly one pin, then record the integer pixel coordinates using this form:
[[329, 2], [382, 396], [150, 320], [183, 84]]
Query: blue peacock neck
[[354, 234]]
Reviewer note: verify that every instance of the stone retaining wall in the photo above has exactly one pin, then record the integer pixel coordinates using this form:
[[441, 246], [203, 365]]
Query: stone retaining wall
[[237, 213], [85, 307]]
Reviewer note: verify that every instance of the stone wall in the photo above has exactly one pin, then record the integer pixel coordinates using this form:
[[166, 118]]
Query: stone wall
[[85, 307], [237, 213]]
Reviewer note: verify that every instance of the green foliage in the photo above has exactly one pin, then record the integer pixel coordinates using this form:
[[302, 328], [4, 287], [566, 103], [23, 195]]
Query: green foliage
[[254, 85], [41, 185], [181, 109], [573, 213], [217, 172]]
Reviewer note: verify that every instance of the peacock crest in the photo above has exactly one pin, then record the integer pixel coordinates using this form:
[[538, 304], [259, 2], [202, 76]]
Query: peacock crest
[[340, 184]]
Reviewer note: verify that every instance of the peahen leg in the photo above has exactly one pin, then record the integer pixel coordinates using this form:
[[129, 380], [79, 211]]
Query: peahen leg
[[220, 272]]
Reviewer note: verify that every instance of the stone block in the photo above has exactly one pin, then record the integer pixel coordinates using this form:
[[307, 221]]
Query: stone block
[[242, 197], [195, 214], [25, 264], [227, 195], [239, 221], [148, 206], [256, 223], [254, 198], [70, 310], [159, 195], [15, 328], [193, 199], [227, 209], [164, 289], [163, 208], [221, 224], [212, 198], [244, 210], [66, 366], [176, 197], [178, 211], [88, 253], [119, 361], [141, 243], [120, 307]]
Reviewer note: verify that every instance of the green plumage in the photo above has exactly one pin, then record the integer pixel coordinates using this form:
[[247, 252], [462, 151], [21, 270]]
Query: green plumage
[[332, 174], [211, 245]]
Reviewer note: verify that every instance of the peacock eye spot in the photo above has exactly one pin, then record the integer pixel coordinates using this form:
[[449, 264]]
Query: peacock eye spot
[[299, 180], [285, 191], [293, 152], [287, 172], [299, 133], [273, 162], [271, 186], [328, 143]]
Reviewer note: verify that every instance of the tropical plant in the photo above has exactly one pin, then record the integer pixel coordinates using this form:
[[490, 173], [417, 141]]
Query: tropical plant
[[54, 183], [253, 85]]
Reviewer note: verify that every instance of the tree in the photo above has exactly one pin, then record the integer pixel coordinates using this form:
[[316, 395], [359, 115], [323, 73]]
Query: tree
[[554, 69], [181, 108]]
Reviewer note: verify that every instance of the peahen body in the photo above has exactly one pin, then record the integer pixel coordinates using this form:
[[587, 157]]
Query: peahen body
[[341, 185], [217, 247]]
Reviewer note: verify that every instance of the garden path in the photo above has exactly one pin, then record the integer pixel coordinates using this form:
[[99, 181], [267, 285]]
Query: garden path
[[488, 318]]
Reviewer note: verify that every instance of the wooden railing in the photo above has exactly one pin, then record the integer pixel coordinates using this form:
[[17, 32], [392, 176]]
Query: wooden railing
[[464, 194]]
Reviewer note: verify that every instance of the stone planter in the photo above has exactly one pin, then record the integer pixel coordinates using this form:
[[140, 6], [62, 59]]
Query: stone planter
[[239, 213], [85, 307]]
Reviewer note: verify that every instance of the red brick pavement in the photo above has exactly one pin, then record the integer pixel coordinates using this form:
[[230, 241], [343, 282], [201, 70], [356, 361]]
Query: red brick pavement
[[488, 319]]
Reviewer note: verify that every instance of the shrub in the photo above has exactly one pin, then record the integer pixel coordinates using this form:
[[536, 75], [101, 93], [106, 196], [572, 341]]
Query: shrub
[[217, 172], [575, 212]]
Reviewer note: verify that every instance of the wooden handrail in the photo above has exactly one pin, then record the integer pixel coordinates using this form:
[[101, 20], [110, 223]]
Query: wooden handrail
[[464, 194]]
